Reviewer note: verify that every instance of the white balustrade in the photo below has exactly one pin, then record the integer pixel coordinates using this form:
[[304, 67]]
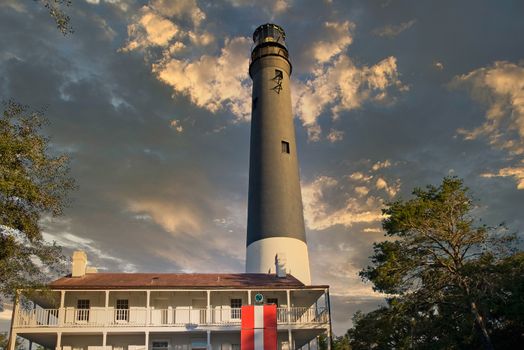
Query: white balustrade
[[173, 317]]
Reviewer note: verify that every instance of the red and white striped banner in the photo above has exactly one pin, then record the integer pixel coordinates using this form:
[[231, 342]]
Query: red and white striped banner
[[259, 327]]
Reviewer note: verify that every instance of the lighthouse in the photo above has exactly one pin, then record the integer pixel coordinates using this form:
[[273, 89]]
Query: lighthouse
[[276, 239]]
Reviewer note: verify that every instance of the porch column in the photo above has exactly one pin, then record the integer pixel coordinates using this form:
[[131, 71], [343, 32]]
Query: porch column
[[14, 318], [249, 297], [104, 339], [30, 345], [147, 339], [328, 309], [59, 341], [108, 318], [288, 296], [148, 310], [61, 309], [12, 340], [208, 312], [208, 340], [290, 339]]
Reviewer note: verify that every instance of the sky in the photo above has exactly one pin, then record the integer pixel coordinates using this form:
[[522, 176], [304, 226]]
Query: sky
[[151, 100]]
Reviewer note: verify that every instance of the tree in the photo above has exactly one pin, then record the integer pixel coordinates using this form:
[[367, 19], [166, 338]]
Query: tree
[[439, 262], [33, 183], [4, 342], [341, 343], [56, 11]]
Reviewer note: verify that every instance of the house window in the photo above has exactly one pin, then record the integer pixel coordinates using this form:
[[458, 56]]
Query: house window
[[200, 344], [272, 301], [236, 308], [122, 310], [160, 345], [285, 147], [278, 74], [82, 306]]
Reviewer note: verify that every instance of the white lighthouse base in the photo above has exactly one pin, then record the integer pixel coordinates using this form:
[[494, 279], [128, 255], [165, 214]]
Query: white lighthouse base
[[260, 257]]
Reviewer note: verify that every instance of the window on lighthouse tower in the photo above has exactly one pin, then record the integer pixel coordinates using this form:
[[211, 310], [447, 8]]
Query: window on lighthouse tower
[[285, 147]]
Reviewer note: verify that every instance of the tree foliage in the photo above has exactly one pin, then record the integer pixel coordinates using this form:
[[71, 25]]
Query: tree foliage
[[57, 12], [4, 338], [33, 183], [450, 276]]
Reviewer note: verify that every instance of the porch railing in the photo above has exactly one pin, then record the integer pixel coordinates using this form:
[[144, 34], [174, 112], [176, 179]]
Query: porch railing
[[170, 317]]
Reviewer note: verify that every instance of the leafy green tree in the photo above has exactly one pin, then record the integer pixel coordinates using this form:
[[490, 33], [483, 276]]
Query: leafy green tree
[[323, 342], [341, 343], [4, 338], [57, 12], [33, 183], [431, 263]]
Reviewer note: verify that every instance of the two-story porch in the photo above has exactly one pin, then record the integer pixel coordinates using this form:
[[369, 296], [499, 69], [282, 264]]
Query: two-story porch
[[167, 311]]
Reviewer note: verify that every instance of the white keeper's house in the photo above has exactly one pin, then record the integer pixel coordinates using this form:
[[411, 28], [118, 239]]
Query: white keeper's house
[[138, 311], [87, 310]]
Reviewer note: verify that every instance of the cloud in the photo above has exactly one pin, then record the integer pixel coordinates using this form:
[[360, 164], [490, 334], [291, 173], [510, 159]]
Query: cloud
[[120, 4], [390, 31], [362, 190], [271, 7], [212, 82], [6, 313], [160, 22], [220, 82], [342, 86], [381, 165], [517, 173], [391, 190], [438, 65], [172, 217], [175, 124], [338, 35], [501, 88], [354, 199], [151, 29], [59, 231], [335, 136], [180, 9], [319, 215], [372, 230], [360, 176]]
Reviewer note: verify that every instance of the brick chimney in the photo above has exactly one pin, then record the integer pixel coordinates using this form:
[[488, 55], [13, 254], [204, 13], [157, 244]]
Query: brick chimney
[[79, 265]]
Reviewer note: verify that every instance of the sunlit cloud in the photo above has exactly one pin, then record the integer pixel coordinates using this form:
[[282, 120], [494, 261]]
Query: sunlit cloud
[[174, 218], [212, 82], [338, 84], [175, 124], [362, 196], [392, 30], [271, 7], [151, 29], [517, 173], [501, 88], [337, 37], [335, 136]]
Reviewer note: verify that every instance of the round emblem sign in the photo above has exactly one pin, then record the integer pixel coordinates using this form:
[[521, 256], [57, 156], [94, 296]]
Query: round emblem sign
[[259, 298]]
